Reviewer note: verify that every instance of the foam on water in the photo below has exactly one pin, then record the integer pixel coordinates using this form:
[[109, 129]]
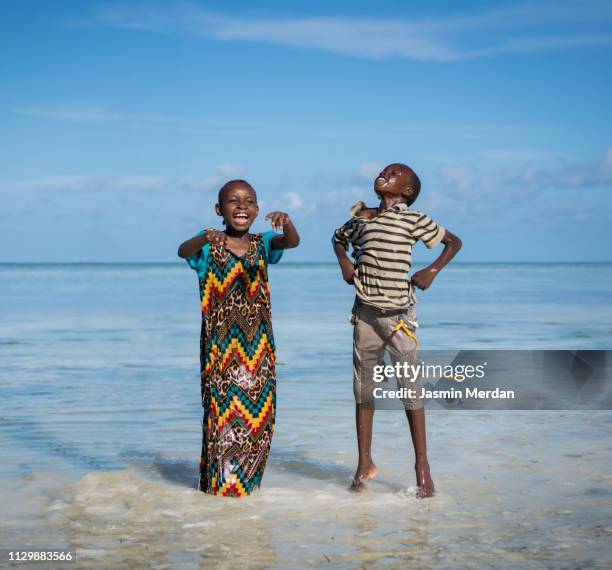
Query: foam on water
[[101, 428], [521, 492]]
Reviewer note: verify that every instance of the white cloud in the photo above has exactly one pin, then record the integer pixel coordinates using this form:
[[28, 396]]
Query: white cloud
[[49, 183], [128, 183], [125, 183], [206, 184], [515, 155], [344, 198], [75, 112], [369, 170], [293, 201], [231, 170], [225, 172], [462, 191], [512, 29], [566, 174], [87, 183]]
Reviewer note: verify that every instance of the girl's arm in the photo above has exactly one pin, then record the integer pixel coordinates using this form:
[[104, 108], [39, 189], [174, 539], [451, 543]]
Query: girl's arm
[[195, 244], [281, 222]]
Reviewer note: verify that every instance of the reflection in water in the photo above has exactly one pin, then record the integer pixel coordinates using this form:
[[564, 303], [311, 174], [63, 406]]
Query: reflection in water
[[101, 428]]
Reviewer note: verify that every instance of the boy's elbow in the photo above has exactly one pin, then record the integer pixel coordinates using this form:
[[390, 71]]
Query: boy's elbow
[[338, 245], [452, 240]]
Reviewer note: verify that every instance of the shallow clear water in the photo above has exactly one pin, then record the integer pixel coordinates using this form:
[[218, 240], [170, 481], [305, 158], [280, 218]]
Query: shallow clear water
[[100, 427]]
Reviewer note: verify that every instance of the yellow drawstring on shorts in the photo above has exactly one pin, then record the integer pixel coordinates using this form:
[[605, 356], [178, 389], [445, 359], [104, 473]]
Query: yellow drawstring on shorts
[[401, 325]]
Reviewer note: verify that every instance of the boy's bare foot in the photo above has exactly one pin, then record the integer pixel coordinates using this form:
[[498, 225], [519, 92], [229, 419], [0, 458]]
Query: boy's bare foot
[[424, 481], [363, 474]]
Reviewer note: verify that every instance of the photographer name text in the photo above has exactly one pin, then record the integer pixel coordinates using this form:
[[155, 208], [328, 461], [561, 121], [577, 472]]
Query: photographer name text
[[452, 394]]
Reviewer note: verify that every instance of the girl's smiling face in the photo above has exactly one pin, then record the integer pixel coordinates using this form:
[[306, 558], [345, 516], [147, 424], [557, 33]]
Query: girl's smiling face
[[238, 206]]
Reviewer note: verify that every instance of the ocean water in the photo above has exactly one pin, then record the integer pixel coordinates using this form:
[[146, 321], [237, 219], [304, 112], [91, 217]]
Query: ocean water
[[100, 427]]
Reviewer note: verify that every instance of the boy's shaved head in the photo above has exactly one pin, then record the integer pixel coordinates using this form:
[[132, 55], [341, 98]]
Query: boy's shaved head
[[398, 179], [233, 184], [413, 181]]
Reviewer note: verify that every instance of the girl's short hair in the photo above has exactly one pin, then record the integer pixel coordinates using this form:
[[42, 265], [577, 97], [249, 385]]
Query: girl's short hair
[[231, 183]]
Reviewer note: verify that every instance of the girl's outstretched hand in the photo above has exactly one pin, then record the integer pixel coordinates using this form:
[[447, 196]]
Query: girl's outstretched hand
[[278, 219], [215, 236]]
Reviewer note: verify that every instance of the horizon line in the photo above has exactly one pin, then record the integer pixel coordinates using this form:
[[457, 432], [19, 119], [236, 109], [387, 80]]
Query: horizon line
[[498, 262]]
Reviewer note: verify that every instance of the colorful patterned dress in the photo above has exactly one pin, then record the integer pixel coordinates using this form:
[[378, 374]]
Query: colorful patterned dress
[[237, 364]]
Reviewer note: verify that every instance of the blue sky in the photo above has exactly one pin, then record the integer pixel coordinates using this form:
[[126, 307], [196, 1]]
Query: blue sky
[[120, 120]]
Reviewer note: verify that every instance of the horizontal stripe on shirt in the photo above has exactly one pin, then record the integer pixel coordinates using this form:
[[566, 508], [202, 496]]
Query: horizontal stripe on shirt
[[382, 248]]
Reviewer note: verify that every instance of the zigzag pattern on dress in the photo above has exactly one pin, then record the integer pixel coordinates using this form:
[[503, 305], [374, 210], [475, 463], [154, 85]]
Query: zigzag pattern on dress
[[248, 323], [236, 348], [244, 450], [238, 371], [235, 484], [252, 282], [238, 408]]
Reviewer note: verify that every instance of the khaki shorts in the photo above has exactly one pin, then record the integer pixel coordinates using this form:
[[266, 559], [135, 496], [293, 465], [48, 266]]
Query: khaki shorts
[[373, 336]]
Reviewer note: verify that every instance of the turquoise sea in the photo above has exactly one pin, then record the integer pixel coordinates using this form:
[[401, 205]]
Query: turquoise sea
[[100, 427]]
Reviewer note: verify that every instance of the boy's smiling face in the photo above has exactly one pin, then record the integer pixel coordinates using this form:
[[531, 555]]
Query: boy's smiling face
[[238, 206], [393, 181]]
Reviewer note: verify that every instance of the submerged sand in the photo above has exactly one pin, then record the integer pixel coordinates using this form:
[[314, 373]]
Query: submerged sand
[[520, 490]]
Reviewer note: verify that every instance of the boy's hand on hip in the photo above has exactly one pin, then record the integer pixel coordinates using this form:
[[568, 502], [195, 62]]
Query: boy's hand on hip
[[278, 220], [424, 278], [348, 271], [215, 236]]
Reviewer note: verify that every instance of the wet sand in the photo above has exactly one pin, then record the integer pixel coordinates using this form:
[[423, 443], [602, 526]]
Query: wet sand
[[528, 490]]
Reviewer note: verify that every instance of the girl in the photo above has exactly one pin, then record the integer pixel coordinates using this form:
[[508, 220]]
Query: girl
[[237, 352]]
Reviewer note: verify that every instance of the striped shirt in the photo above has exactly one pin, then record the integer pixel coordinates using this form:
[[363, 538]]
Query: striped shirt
[[382, 249]]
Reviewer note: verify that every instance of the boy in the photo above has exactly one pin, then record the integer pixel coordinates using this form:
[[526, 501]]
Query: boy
[[383, 314]]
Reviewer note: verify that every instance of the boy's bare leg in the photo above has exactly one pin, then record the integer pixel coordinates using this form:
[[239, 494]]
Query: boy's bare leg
[[416, 420], [364, 418]]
